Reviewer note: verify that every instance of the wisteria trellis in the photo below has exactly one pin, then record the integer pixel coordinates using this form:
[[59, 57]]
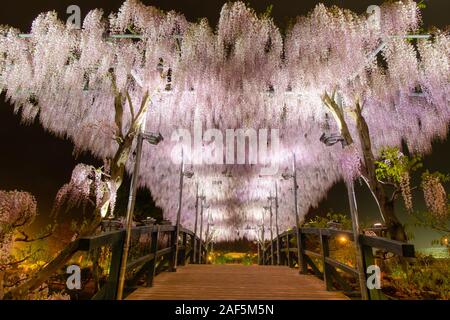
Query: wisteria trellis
[[243, 74]]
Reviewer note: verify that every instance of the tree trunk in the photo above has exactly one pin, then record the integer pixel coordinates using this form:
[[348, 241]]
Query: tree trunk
[[395, 228]]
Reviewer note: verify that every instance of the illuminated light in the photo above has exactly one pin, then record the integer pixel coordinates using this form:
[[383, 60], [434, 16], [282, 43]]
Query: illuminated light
[[342, 239], [378, 225]]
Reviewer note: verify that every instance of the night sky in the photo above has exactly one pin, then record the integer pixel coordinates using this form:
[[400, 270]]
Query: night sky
[[35, 161]]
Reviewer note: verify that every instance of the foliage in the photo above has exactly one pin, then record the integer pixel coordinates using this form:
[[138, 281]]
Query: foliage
[[393, 165], [322, 222], [233, 258], [18, 263], [425, 278]]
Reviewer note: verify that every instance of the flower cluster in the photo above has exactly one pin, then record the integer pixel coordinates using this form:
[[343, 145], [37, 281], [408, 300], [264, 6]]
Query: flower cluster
[[435, 196], [351, 163]]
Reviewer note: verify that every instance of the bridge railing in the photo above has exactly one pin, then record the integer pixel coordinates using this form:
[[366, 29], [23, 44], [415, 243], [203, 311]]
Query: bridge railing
[[152, 251], [315, 246]]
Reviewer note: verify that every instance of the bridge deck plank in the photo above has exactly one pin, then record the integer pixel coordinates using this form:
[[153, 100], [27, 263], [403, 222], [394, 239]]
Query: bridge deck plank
[[235, 282]]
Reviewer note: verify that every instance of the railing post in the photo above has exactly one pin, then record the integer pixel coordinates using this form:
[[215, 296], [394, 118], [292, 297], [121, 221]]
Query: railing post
[[182, 253], [325, 254], [192, 252], [288, 253], [356, 235], [174, 245], [114, 269], [301, 241], [153, 250], [368, 260], [259, 252]]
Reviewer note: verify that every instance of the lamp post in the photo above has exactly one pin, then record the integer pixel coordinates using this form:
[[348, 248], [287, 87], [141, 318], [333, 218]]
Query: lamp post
[[261, 243], [154, 140], [269, 208], [187, 174], [202, 206], [209, 234], [271, 198], [287, 176], [197, 198]]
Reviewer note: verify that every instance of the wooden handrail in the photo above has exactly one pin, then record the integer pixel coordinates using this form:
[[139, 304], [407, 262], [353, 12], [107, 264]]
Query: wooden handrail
[[151, 263], [329, 265]]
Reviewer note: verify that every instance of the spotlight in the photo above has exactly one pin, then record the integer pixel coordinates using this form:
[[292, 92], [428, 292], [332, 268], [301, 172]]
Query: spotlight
[[188, 174], [330, 139], [153, 138], [287, 176]]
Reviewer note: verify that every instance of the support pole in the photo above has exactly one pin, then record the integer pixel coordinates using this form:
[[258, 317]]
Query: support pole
[[276, 224], [271, 235], [195, 227], [180, 203], [356, 233], [300, 257], [201, 233], [129, 218], [207, 236]]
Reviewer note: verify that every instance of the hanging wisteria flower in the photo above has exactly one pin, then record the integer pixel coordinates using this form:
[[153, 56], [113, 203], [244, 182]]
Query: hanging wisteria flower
[[350, 163], [405, 187], [435, 196]]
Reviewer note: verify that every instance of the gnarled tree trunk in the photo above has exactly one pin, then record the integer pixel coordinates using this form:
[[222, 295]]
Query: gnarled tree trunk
[[387, 204]]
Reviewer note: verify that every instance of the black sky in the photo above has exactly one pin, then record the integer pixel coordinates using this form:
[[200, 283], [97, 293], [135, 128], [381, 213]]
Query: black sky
[[35, 161]]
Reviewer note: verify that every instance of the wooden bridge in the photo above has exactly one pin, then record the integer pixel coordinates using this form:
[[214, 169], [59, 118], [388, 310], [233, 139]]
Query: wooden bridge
[[235, 282], [287, 268]]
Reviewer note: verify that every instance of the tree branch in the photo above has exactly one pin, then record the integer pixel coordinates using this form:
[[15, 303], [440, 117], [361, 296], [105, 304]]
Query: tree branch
[[27, 239], [130, 104], [118, 117], [338, 115]]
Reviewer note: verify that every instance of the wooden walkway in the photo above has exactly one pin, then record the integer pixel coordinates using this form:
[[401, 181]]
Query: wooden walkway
[[235, 282]]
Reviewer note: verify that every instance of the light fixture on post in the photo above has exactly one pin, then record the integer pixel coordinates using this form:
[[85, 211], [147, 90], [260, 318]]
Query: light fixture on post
[[187, 174], [110, 224], [153, 139], [286, 176], [149, 221], [330, 139]]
